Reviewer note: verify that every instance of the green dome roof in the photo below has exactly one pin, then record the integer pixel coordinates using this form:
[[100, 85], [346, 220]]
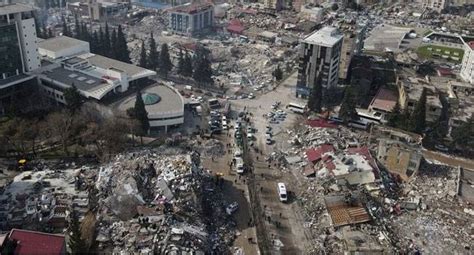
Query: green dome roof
[[150, 98]]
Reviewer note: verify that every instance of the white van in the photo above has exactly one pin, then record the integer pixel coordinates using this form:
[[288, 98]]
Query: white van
[[239, 165], [282, 192]]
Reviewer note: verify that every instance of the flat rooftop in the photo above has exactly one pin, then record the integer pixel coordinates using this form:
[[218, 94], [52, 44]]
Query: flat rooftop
[[82, 81], [60, 43], [15, 8], [108, 63], [170, 101], [385, 37], [326, 36], [192, 8]]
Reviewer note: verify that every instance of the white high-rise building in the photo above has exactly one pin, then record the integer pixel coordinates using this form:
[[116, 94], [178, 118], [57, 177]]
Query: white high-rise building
[[320, 54], [467, 68]]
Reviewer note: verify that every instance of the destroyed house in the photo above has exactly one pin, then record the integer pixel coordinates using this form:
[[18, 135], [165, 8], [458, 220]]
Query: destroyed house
[[398, 151]]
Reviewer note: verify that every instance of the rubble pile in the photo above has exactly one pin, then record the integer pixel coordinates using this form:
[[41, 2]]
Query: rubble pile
[[209, 148], [421, 215], [162, 202]]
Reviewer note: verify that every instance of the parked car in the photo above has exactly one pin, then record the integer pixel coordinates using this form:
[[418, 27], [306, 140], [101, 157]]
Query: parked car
[[230, 209]]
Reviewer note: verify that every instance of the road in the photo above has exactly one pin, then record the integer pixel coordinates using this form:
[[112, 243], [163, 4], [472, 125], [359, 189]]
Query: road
[[283, 221]]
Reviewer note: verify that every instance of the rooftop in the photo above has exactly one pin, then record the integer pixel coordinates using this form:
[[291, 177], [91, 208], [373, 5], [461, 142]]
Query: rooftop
[[384, 100], [31, 242], [385, 37], [170, 102], [192, 8], [83, 82], [15, 8], [60, 43], [326, 36], [107, 63]]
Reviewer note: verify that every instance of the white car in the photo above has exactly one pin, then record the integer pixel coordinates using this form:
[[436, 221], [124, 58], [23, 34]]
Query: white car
[[237, 154], [230, 209], [251, 96], [282, 194]]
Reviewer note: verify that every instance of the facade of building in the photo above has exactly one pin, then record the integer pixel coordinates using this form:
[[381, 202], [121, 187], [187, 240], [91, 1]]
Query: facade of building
[[437, 5], [410, 91], [467, 68], [191, 19], [18, 51], [274, 4], [314, 14], [319, 59], [97, 9], [398, 151], [352, 44]]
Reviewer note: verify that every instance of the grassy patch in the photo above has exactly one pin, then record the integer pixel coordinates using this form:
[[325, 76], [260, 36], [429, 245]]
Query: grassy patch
[[427, 32], [440, 52]]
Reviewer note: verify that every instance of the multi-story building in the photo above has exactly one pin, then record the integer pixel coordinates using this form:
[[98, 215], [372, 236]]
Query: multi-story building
[[191, 19], [274, 4], [352, 44], [319, 60], [18, 50], [467, 68], [410, 91], [98, 9], [437, 5]]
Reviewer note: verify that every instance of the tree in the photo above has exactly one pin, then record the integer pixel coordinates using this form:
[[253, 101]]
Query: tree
[[278, 73], [202, 71], [62, 126], [395, 117], [153, 57], [348, 111], [106, 43], [50, 33], [94, 44], [315, 99], [78, 34], [165, 64], [180, 62], [76, 243], [141, 114], [143, 56], [463, 136], [101, 48], [122, 48], [73, 99], [113, 44], [417, 122], [66, 31], [334, 7], [187, 65]]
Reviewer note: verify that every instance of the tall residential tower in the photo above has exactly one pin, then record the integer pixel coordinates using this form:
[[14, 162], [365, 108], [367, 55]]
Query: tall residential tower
[[320, 53]]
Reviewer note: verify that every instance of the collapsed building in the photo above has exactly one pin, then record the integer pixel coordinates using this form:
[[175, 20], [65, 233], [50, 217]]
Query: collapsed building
[[398, 151]]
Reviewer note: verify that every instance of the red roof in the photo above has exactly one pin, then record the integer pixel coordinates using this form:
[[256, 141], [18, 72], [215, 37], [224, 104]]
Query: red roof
[[320, 123], [471, 44], [315, 154], [32, 243], [384, 100], [235, 26], [444, 71]]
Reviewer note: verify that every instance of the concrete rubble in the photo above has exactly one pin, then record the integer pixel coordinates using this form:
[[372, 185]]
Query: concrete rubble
[[423, 215], [161, 201]]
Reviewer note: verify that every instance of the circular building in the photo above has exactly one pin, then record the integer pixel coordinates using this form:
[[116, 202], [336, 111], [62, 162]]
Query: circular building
[[164, 105]]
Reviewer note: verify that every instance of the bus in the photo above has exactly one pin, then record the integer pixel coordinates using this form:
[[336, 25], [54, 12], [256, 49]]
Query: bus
[[369, 118], [297, 108]]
